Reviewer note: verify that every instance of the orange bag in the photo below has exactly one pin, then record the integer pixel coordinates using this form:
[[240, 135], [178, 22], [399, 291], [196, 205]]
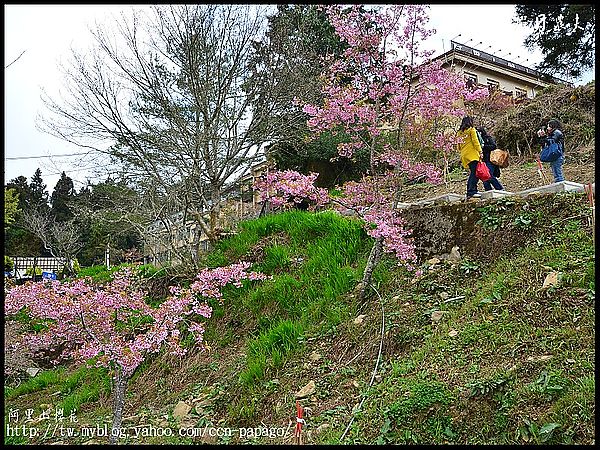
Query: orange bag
[[499, 158]]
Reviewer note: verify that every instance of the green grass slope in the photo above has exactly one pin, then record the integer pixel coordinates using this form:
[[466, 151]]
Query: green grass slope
[[474, 351]]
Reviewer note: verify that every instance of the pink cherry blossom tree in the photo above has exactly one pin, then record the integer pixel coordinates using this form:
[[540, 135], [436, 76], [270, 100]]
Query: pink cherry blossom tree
[[388, 97], [288, 187], [113, 326]]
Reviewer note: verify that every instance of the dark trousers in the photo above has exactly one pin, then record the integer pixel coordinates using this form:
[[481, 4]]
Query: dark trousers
[[487, 185], [472, 180]]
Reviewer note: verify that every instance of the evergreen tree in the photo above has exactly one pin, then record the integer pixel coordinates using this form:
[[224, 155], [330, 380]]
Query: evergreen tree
[[37, 201], [18, 241], [21, 187], [39, 194], [11, 206], [63, 194], [106, 219], [293, 56], [565, 34]]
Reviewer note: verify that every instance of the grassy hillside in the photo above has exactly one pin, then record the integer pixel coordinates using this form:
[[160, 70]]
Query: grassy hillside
[[475, 351]]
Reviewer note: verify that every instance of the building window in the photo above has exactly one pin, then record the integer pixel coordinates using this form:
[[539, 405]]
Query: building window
[[520, 93], [470, 79], [493, 85]]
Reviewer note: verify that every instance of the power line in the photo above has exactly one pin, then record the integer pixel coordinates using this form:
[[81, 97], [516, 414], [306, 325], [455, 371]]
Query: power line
[[45, 156], [75, 170], [15, 60]]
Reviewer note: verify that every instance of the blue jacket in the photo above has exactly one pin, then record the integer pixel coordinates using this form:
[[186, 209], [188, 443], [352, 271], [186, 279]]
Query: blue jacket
[[557, 136]]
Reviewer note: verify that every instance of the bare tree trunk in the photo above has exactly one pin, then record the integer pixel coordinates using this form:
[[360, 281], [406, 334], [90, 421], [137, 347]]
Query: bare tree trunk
[[215, 213], [446, 171], [119, 388], [372, 262]]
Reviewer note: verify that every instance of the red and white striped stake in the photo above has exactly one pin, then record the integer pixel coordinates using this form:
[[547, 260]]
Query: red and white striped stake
[[541, 171], [299, 422]]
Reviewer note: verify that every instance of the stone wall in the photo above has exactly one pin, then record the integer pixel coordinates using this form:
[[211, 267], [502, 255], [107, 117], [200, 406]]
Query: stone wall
[[438, 228]]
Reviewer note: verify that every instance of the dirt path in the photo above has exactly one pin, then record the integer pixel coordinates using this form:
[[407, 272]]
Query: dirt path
[[514, 178]]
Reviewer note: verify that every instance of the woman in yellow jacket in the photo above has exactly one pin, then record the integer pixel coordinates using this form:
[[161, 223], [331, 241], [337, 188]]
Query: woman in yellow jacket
[[470, 153]]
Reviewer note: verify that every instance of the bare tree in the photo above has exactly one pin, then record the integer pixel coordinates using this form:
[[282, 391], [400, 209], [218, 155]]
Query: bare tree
[[61, 239], [172, 102], [149, 218]]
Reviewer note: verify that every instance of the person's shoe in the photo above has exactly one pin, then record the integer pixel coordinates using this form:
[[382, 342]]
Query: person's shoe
[[476, 195]]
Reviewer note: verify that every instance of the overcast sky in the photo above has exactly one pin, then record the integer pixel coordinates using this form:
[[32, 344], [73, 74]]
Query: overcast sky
[[46, 33]]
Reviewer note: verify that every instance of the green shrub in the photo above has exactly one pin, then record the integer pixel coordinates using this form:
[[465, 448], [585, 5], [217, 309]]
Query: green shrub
[[99, 274], [29, 271]]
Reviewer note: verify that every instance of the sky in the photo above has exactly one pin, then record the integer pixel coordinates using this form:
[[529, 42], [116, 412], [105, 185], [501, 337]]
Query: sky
[[45, 33]]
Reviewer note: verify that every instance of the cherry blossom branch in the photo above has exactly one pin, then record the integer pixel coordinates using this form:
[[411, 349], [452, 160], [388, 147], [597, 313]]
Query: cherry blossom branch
[[81, 315]]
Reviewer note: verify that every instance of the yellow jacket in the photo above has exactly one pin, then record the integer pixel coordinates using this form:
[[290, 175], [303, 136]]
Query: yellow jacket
[[470, 149]]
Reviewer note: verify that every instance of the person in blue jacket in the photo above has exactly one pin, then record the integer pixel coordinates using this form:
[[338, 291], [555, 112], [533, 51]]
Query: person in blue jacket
[[553, 131]]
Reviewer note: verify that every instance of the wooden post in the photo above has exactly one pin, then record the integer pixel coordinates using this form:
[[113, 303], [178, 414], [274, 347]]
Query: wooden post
[[34, 268]]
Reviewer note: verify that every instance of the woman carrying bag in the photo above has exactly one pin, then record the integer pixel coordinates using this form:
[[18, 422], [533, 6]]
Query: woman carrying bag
[[470, 154], [489, 144]]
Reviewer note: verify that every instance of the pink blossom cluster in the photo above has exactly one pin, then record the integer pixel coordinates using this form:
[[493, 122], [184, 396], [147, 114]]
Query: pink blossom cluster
[[438, 95], [288, 187], [369, 85], [388, 225], [112, 322], [372, 199], [446, 142], [347, 149], [384, 77], [389, 30], [477, 94], [346, 108], [411, 170], [209, 282]]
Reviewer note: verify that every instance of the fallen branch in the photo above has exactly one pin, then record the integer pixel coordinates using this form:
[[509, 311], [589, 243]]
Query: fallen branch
[[578, 216], [454, 298]]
